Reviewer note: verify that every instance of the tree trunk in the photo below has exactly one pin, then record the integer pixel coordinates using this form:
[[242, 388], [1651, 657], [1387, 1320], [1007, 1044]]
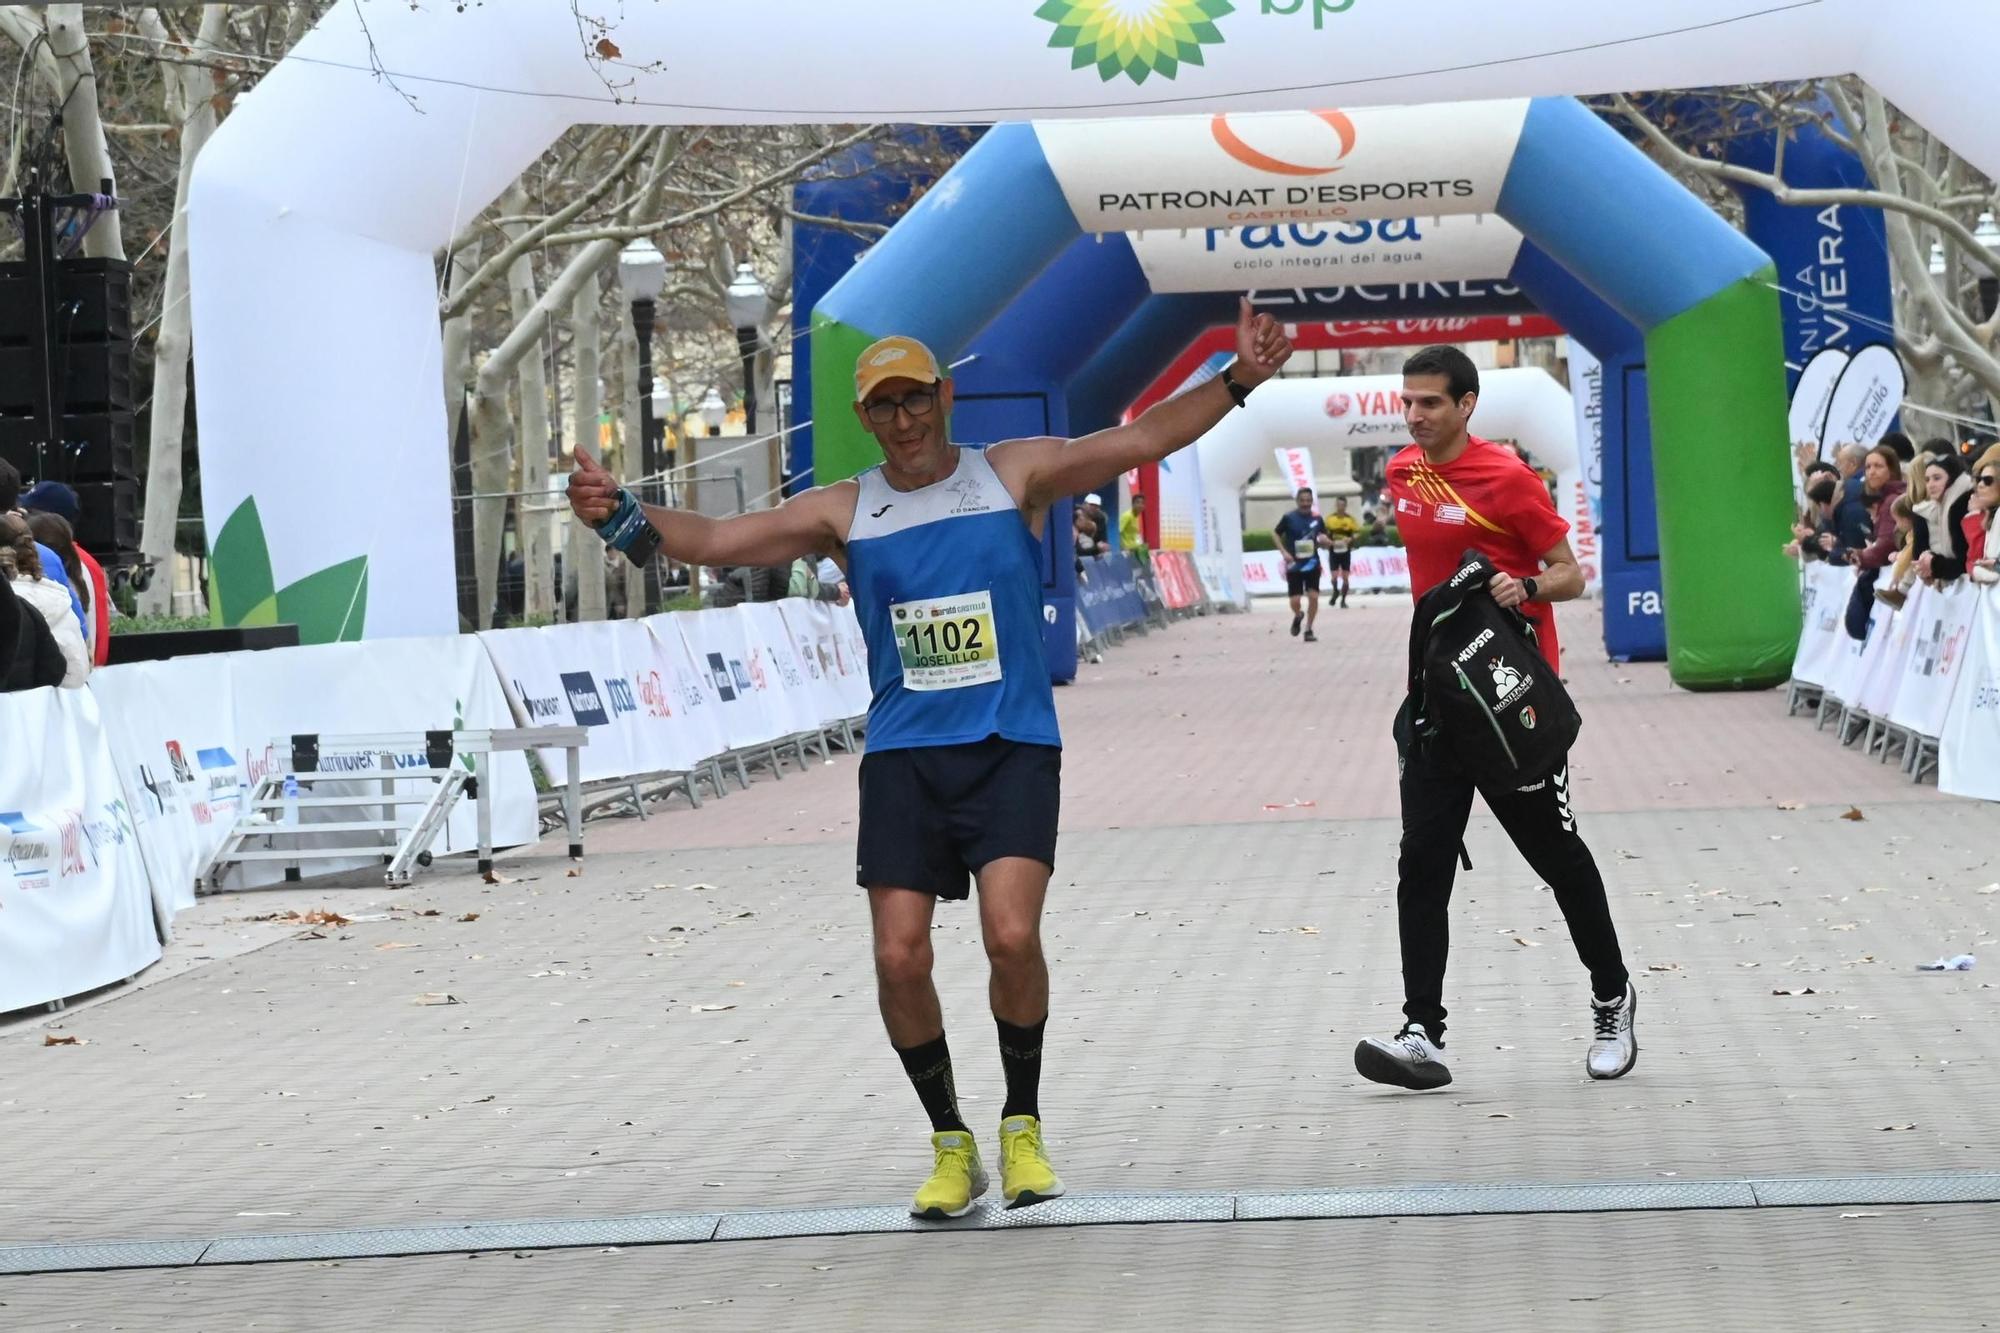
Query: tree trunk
[[83, 128], [492, 465], [584, 562], [458, 342], [188, 102], [532, 519]]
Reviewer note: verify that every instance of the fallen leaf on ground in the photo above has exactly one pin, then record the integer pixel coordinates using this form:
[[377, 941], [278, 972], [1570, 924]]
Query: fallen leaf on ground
[[574, 872], [709, 1008], [495, 877], [428, 911], [398, 944], [1846, 925], [1498, 1115], [1886, 1129], [1845, 1216], [53, 1040], [1854, 814], [699, 888], [1526, 944], [1803, 990], [1663, 967], [1308, 930], [1791, 805], [470, 916], [438, 997]]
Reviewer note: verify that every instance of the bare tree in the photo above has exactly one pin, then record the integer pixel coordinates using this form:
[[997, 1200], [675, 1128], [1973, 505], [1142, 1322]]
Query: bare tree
[[1931, 200]]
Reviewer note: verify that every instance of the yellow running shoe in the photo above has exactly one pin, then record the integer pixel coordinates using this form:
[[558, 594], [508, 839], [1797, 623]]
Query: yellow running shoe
[[957, 1179], [1025, 1174]]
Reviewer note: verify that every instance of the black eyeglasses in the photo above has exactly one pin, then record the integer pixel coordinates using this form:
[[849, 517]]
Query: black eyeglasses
[[1989, 479], [917, 402]]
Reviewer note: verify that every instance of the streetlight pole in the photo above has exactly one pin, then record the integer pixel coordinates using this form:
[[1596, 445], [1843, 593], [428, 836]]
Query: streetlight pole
[[642, 272], [746, 301]]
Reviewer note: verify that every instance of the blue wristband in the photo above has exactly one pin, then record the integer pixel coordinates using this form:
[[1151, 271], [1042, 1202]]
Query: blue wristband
[[628, 531], [626, 520]]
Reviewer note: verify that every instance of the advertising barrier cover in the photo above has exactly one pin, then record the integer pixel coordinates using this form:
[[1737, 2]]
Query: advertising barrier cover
[[76, 910], [1969, 743]]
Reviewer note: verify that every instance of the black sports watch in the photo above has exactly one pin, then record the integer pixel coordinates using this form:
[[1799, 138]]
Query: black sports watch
[[1529, 585], [1236, 389]]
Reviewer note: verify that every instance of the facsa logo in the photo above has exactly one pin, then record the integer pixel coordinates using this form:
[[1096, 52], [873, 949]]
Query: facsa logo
[[584, 704]]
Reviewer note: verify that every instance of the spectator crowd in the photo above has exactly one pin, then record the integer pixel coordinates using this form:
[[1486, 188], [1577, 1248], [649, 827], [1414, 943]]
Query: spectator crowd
[[1900, 515], [55, 604]]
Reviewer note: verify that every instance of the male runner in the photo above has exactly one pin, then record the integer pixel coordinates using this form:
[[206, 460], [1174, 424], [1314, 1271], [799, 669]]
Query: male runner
[[1452, 491], [1300, 534], [1342, 531], [963, 767]]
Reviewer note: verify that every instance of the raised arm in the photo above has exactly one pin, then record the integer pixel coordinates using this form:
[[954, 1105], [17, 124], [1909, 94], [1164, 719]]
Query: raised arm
[[814, 523], [1044, 470]]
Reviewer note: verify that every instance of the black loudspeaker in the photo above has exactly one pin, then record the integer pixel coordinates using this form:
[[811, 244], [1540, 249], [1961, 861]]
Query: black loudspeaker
[[95, 447], [90, 377], [109, 517], [93, 301]]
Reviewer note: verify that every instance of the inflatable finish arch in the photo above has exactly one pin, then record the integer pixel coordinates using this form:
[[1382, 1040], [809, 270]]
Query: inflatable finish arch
[[1703, 296], [325, 482]]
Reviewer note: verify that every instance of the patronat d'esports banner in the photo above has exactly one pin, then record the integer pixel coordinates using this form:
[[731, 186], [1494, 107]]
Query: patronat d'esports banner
[[1283, 167]]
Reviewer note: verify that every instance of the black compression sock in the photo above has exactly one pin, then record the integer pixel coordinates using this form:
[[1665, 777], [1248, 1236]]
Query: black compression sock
[[1021, 1059], [929, 1068]]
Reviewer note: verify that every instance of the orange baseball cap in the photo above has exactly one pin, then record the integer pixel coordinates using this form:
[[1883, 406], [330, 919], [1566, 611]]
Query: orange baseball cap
[[893, 358]]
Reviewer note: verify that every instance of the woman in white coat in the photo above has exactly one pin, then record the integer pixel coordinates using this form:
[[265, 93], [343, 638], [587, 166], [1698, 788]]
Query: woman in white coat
[[22, 564]]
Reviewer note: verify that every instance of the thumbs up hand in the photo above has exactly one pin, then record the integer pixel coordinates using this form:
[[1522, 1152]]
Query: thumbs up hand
[[1261, 346], [593, 491]]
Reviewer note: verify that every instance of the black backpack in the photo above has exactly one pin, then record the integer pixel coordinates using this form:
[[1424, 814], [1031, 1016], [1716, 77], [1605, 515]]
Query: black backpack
[[1480, 688]]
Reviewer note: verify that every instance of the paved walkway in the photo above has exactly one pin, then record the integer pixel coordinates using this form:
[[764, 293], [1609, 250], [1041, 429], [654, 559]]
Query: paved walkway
[[687, 1025]]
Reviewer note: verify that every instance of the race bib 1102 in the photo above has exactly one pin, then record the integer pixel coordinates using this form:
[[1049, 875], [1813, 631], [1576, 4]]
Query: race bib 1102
[[946, 643]]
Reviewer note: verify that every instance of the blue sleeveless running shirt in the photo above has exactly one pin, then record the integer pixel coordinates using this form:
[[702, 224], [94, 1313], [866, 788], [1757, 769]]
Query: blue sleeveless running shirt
[[947, 582]]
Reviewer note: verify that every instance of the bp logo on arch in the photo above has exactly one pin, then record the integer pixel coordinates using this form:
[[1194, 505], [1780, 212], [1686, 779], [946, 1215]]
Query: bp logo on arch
[[1141, 38]]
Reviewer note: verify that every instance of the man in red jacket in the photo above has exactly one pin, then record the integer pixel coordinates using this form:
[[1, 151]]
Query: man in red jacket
[[1452, 491]]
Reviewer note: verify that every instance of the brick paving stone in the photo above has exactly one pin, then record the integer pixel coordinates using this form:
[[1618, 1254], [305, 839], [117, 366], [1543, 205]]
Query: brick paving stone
[[1785, 1271], [687, 1022]]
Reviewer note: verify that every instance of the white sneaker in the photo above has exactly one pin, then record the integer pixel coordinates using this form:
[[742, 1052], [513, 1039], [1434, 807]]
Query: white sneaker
[[1614, 1048], [1410, 1059]]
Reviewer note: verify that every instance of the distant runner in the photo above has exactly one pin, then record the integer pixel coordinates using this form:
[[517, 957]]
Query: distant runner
[[1342, 531], [1300, 534]]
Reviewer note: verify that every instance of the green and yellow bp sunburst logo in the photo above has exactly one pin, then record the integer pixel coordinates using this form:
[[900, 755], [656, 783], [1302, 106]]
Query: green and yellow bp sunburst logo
[[1134, 37]]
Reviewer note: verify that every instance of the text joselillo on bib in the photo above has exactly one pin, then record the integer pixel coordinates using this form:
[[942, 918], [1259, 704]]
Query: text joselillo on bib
[[947, 643]]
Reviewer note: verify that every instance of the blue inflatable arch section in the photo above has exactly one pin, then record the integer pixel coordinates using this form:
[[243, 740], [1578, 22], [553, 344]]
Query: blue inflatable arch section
[[992, 265]]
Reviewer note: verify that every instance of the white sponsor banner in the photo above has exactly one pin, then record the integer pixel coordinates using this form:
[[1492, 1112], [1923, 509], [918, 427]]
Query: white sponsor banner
[[699, 733], [1376, 569], [1823, 595], [608, 676], [825, 635], [793, 705], [1865, 399], [735, 679], [1812, 394], [1884, 671], [76, 909], [1449, 248], [1850, 662], [1937, 653], [172, 732], [1969, 744], [1282, 167], [1296, 466], [1580, 490]]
